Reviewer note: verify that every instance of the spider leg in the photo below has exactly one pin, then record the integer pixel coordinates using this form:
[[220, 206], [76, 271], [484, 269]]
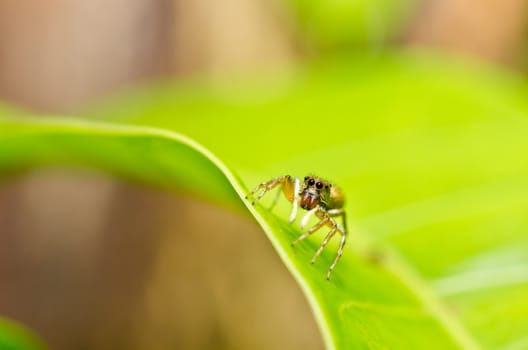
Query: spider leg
[[339, 253], [341, 213], [275, 200], [307, 216], [330, 214], [314, 228], [267, 186], [324, 243], [295, 201]]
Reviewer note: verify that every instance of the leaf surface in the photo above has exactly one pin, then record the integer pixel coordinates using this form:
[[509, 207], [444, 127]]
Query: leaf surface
[[431, 157], [15, 337]]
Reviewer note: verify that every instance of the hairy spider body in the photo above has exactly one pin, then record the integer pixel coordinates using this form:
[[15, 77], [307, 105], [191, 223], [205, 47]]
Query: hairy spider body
[[320, 198]]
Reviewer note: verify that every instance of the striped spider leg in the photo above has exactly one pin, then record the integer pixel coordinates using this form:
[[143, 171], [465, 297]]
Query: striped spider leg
[[326, 218]]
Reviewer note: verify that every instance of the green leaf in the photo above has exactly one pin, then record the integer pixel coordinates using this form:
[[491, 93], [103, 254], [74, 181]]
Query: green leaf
[[15, 337], [342, 24], [431, 157]]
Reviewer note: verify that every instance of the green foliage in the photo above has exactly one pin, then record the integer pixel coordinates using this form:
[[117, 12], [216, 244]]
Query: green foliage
[[15, 337], [431, 157], [343, 24]]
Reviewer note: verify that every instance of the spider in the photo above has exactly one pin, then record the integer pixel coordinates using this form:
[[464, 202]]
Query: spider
[[316, 195]]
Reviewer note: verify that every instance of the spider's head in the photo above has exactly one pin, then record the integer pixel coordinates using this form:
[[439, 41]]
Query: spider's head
[[315, 191]]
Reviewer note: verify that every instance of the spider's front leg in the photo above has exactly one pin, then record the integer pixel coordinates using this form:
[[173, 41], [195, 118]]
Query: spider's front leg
[[289, 186]]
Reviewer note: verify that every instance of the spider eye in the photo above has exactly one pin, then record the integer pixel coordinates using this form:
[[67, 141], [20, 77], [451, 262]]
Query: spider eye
[[311, 182], [319, 185]]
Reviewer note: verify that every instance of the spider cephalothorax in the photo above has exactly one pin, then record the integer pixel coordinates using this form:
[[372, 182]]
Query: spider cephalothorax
[[315, 191], [320, 198]]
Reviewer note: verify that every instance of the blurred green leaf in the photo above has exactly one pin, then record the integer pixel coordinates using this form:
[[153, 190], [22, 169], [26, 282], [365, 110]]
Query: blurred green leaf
[[430, 154], [343, 24], [15, 337]]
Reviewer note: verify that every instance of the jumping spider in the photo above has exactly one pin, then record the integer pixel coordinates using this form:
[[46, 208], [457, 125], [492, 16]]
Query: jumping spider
[[320, 198]]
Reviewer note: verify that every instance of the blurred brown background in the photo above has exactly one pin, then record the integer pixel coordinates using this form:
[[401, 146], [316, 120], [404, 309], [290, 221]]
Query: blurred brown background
[[143, 271]]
